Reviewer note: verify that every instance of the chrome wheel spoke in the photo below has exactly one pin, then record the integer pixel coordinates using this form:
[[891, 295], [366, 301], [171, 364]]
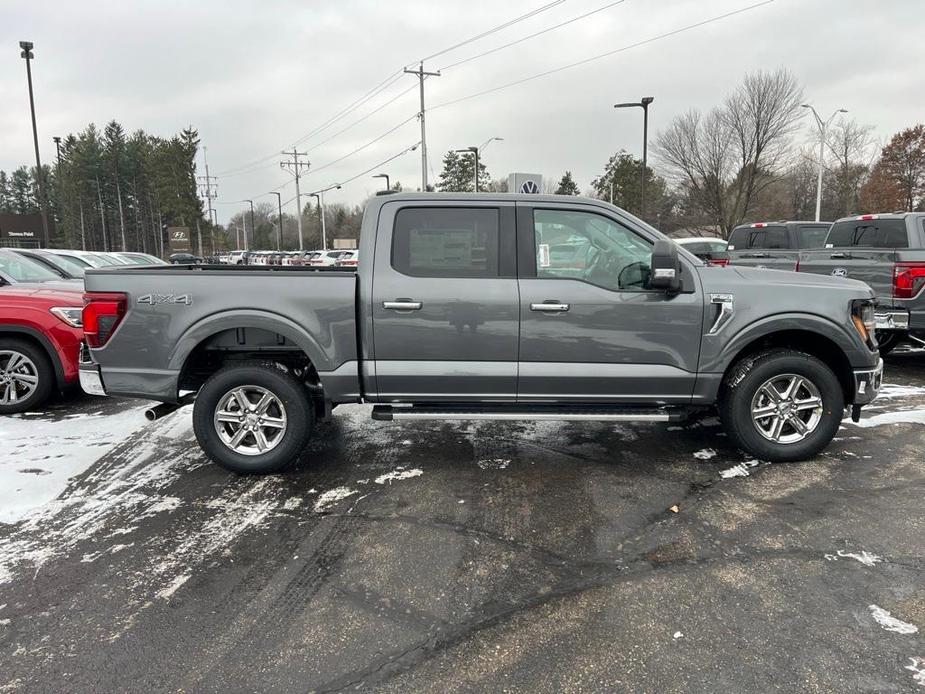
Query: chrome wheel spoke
[[798, 424], [15, 360], [5, 398], [764, 411], [792, 388], [810, 403], [28, 379], [770, 392], [777, 427], [242, 421]]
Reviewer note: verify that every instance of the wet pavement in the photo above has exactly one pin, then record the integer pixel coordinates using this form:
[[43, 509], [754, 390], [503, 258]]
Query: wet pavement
[[465, 557]]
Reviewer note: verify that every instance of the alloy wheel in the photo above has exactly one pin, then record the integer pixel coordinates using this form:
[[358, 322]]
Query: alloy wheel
[[787, 408], [250, 420], [19, 377]]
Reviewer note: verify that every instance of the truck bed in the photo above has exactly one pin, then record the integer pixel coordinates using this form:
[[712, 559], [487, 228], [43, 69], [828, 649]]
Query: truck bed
[[173, 310]]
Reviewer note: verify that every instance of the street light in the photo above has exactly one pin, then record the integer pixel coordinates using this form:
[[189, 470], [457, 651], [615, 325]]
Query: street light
[[279, 233], [319, 196], [475, 152], [644, 105], [39, 174], [253, 225], [386, 177], [822, 128]]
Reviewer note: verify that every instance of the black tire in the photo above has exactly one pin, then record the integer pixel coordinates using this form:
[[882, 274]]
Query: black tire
[[888, 340], [43, 368], [741, 386], [297, 413]]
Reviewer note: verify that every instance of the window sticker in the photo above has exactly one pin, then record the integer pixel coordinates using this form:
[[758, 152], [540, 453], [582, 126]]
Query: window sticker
[[544, 255]]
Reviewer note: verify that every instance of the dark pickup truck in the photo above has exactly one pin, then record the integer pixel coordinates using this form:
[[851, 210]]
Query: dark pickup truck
[[887, 252], [466, 307], [774, 245]]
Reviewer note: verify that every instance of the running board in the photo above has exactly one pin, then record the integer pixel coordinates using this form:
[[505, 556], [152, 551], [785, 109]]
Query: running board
[[389, 413]]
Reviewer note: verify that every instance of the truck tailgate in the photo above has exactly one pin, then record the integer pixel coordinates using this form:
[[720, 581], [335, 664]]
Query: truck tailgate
[[873, 266]]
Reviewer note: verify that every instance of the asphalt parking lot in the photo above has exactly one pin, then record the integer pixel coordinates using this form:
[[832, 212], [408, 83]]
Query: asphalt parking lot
[[463, 557]]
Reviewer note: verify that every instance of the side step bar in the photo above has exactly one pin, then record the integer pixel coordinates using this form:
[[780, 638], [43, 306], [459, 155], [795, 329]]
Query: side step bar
[[390, 413]]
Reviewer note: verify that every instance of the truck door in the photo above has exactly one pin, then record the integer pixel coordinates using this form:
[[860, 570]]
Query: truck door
[[445, 302], [590, 329]]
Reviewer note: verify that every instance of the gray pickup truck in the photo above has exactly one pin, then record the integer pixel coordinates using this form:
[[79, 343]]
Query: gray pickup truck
[[887, 252], [467, 307], [774, 245]]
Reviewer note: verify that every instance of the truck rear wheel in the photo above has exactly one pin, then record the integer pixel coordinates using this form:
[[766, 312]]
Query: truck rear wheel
[[27, 377], [252, 418], [781, 405]]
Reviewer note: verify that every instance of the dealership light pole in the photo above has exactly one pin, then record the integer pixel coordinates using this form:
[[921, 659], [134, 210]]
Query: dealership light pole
[[279, 232], [39, 174], [319, 196], [823, 127], [386, 177], [644, 105], [253, 225]]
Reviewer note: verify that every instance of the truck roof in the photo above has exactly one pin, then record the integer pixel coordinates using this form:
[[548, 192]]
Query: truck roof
[[880, 215]]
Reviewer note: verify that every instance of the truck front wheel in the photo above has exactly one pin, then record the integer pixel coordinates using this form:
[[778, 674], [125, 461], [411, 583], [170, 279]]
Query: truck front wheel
[[781, 405], [252, 418]]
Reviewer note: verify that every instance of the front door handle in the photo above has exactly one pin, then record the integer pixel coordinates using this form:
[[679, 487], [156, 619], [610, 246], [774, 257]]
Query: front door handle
[[402, 305], [549, 306]]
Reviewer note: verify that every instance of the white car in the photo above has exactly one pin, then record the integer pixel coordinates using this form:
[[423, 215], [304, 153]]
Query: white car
[[707, 248], [326, 258], [236, 258], [348, 259]]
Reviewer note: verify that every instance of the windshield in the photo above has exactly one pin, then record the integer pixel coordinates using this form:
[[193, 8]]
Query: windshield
[[66, 264], [20, 269], [80, 262]]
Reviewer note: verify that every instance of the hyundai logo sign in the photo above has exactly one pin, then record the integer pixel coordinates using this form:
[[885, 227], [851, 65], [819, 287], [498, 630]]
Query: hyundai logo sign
[[840, 272]]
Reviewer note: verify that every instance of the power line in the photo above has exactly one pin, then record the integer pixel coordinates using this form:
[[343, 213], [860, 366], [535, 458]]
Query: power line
[[494, 30], [362, 147], [532, 36], [604, 55]]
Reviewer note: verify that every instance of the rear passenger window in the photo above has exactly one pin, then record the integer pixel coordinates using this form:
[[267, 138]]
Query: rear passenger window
[[812, 236], [873, 233], [771, 238], [446, 242]]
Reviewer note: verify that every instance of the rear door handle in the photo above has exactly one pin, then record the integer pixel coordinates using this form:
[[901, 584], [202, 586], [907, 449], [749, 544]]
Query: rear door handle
[[549, 307], [402, 305]]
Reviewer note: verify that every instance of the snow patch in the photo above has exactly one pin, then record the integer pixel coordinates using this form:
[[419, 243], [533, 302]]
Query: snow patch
[[172, 587], [494, 463], [677, 635], [705, 454], [917, 667], [292, 503], [897, 417], [740, 470], [866, 558], [398, 475], [889, 622], [332, 496]]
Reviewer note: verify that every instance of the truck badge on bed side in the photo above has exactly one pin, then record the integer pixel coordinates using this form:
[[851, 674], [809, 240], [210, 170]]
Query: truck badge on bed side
[[158, 299]]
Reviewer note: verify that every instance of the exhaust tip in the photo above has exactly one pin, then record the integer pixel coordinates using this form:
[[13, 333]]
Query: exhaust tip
[[150, 415]]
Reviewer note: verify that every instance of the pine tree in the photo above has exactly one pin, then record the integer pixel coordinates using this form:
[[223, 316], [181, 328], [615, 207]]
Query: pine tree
[[567, 185], [459, 173]]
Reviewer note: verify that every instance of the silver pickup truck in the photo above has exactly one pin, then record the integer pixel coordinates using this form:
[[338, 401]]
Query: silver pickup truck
[[486, 307], [887, 252]]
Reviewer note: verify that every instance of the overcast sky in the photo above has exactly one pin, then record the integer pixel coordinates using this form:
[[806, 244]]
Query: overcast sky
[[254, 78]]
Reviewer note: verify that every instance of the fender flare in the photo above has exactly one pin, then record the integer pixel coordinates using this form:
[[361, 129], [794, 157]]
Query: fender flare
[[44, 342], [231, 320], [792, 321]]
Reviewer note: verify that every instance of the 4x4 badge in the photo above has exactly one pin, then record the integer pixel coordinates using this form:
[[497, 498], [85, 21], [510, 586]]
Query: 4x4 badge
[[172, 299]]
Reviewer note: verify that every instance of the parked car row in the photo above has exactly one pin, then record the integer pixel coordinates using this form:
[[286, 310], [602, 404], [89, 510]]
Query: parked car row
[[346, 258]]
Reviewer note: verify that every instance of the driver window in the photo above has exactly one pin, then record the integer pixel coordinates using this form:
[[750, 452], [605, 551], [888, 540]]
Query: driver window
[[591, 248]]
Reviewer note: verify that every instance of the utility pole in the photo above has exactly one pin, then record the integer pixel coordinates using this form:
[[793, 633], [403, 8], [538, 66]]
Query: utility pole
[[209, 191], [279, 231], [39, 173], [294, 166], [823, 127], [421, 75]]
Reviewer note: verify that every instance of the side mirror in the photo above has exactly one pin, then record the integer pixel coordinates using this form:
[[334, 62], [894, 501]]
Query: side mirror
[[666, 268]]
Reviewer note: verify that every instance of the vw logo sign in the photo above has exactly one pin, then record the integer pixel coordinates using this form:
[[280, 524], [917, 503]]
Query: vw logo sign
[[840, 272], [529, 187]]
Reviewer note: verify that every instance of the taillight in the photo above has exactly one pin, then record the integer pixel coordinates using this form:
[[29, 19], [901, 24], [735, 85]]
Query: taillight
[[796, 266], [908, 279], [718, 261], [102, 313]]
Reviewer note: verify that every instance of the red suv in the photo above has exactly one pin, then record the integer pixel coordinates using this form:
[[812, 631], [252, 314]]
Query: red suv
[[40, 335]]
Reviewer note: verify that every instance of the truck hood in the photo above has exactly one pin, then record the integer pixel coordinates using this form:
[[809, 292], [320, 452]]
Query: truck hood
[[55, 293], [731, 278]]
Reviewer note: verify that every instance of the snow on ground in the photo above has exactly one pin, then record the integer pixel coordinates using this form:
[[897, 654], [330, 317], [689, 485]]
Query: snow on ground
[[41, 455]]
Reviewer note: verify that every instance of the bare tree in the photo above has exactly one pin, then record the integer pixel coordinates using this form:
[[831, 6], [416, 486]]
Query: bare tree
[[726, 158], [851, 144]]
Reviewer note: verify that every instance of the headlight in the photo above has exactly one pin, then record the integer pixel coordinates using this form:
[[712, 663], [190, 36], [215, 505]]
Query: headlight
[[862, 315], [69, 314]]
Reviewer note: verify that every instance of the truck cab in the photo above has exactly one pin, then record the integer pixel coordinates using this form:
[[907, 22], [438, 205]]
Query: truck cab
[[774, 245]]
